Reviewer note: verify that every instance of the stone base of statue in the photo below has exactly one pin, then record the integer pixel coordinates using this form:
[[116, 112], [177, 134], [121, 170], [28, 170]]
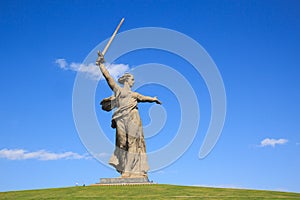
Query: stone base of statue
[[124, 181]]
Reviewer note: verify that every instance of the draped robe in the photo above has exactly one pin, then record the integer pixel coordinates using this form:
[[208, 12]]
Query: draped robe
[[130, 151]]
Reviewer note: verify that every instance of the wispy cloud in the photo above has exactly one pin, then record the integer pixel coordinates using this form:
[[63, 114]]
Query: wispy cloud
[[101, 155], [62, 63], [21, 154], [91, 70], [272, 142]]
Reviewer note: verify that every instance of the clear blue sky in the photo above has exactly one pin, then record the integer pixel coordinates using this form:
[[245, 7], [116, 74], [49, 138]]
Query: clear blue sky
[[255, 45]]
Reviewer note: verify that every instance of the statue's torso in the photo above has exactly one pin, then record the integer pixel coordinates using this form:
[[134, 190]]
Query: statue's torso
[[126, 102], [126, 98]]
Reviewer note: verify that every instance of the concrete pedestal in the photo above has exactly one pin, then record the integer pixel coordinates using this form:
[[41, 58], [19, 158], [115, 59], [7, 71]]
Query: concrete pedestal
[[123, 181]]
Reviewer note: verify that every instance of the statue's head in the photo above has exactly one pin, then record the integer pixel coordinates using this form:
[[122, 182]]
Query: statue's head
[[127, 77]]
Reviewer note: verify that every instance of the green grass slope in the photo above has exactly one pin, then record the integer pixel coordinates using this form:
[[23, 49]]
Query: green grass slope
[[146, 192]]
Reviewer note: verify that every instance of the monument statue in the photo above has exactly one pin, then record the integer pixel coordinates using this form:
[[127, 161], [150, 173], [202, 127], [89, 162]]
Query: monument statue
[[129, 157]]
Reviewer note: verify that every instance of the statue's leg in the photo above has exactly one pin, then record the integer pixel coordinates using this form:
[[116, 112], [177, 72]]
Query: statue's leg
[[137, 164], [118, 159]]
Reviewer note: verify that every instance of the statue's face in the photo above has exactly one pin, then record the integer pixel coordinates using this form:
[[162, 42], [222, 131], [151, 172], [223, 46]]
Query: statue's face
[[130, 81]]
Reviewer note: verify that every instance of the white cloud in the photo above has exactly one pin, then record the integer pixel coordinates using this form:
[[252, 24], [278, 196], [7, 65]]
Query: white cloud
[[272, 142], [61, 63], [21, 154], [92, 70], [100, 155], [117, 70]]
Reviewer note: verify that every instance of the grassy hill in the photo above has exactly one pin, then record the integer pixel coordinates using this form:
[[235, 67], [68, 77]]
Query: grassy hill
[[146, 192]]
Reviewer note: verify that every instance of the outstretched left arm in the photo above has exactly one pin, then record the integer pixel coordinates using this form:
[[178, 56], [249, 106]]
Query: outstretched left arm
[[142, 98]]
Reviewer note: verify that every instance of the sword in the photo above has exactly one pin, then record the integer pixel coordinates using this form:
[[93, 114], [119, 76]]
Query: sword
[[111, 38]]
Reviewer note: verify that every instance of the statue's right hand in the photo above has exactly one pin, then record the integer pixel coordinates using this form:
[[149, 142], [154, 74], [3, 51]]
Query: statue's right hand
[[100, 59]]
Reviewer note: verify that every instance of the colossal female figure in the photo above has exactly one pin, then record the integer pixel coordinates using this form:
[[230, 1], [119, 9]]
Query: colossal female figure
[[129, 157]]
